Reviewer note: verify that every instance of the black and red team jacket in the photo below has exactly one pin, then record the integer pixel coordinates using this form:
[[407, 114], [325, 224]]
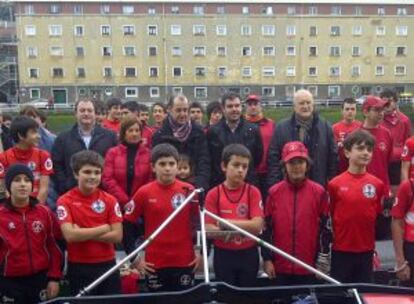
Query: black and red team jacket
[[27, 241]]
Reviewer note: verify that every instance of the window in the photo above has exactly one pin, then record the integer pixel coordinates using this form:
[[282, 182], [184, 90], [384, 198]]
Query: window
[[313, 90], [380, 51], [335, 51], [246, 71], [221, 30], [106, 51], [313, 10], [33, 73], [127, 9], [152, 30], [105, 8], [356, 51], [105, 30], [57, 72], [336, 10], [56, 51], [335, 30], [128, 30], [245, 10], [313, 51], [291, 10], [246, 51], [334, 71], [357, 30], [357, 10], [152, 11], [355, 70], [334, 91], [222, 71], [131, 92], [379, 70], [200, 92], [400, 70], [268, 91], [153, 72], [129, 50], [221, 51], [154, 92], [54, 9], [78, 9], [29, 9], [290, 30], [152, 51], [199, 51], [31, 52], [176, 51], [267, 10], [199, 30], [381, 11], [313, 31], [221, 10], [268, 71], [200, 71], [401, 51], [130, 72], [246, 30], [177, 71], [107, 72], [198, 10], [401, 30], [290, 71], [291, 50], [313, 71], [175, 10], [268, 51], [34, 93], [380, 30], [268, 30], [80, 72], [177, 90], [79, 31], [80, 52], [30, 30], [401, 11], [175, 30], [55, 30]]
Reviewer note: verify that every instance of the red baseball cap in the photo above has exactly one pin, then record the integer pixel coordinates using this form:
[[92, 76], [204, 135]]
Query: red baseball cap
[[294, 149], [253, 98], [374, 102]]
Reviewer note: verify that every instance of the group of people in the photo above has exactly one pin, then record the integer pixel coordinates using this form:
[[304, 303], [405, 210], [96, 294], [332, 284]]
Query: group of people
[[322, 194]]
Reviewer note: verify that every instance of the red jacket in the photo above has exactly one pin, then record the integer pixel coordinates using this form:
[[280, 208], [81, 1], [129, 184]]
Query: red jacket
[[295, 213], [27, 241], [114, 177]]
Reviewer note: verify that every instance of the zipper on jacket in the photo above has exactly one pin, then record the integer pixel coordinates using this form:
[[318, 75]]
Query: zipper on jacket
[[295, 196], [29, 245]]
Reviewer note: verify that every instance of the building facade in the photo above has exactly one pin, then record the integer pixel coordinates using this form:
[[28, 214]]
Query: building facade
[[148, 50]]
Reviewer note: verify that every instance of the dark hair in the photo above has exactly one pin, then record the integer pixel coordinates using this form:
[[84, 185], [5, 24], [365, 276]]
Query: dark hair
[[196, 105], [388, 93], [213, 106], [163, 150], [359, 137], [7, 116], [113, 102], [235, 149], [131, 105], [229, 96], [86, 99], [348, 100], [173, 98], [29, 111], [99, 107], [185, 158], [20, 126], [142, 108], [86, 157], [161, 105], [127, 122]]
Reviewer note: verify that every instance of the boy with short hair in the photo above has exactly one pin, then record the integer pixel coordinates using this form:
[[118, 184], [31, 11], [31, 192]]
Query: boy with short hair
[[25, 133], [147, 132], [355, 203], [91, 223], [170, 260], [113, 120], [236, 260], [29, 256], [196, 112]]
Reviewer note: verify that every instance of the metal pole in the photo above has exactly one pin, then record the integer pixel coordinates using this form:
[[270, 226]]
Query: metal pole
[[142, 246], [273, 248], [204, 244]]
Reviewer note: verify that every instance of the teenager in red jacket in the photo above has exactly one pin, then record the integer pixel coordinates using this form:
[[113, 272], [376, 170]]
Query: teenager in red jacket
[[297, 212], [113, 120], [127, 166], [30, 259]]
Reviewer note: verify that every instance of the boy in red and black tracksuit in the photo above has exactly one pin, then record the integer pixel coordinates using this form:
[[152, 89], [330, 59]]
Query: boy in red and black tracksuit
[[30, 259], [297, 213], [170, 261], [236, 260], [91, 223], [355, 203]]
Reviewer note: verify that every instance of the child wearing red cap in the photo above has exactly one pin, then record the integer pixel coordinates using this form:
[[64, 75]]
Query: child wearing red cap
[[296, 213]]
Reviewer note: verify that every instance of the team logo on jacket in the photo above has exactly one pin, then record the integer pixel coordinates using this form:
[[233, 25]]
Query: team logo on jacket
[[409, 218], [242, 210], [37, 226], [186, 280], [177, 200], [129, 207], [118, 210], [61, 213], [98, 206], [48, 164], [31, 165], [404, 151], [382, 146], [11, 226], [369, 191]]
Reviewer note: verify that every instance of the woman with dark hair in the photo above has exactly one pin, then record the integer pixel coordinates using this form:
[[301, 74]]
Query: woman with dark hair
[[127, 166]]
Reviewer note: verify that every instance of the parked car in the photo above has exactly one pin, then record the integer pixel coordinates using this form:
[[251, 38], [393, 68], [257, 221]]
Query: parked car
[[40, 103]]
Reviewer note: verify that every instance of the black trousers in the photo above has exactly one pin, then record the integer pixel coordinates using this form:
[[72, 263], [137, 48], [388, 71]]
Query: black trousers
[[236, 267], [170, 279], [294, 279], [350, 267], [23, 290], [80, 275], [409, 256]]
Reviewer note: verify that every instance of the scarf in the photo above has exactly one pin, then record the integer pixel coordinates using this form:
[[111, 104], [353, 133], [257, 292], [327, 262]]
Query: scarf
[[180, 132], [304, 127], [254, 119]]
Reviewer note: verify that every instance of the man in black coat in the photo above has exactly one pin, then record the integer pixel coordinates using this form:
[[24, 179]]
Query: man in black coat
[[233, 129], [187, 137], [84, 135]]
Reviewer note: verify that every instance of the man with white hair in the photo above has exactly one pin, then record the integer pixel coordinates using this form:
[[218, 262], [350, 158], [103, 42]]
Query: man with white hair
[[306, 126]]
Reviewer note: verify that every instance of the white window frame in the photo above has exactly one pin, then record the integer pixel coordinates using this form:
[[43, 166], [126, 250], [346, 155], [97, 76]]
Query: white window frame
[[152, 11], [37, 72], [124, 50], [336, 10], [337, 88], [199, 30], [110, 51], [29, 9], [313, 89], [271, 89], [105, 9], [177, 90], [135, 95], [334, 32], [316, 53], [109, 68], [291, 10], [268, 71], [199, 50], [291, 47], [268, 30], [401, 46], [272, 50], [155, 93], [128, 9], [130, 67], [245, 10], [56, 51], [177, 67], [401, 11], [338, 68], [380, 30], [76, 51], [290, 71], [75, 30], [382, 70], [155, 68], [376, 51], [290, 30], [55, 30], [176, 51], [401, 30], [198, 10], [33, 90], [205, 95], [78, 74], [78, 9], [221, 30], [313, 10], [357, 47], [399, 66], [156, 50], [222, 68], [150, 31], [225, 51], [310, 31], [249, 51], [108, 33], [128, 26], [316, 71], [32, 52], [357, 30], [358, 68], [175, 9], [335, 54], [201, 68], [30, 30], [175, 30], [245, 30], [55, 68], [381, 11]]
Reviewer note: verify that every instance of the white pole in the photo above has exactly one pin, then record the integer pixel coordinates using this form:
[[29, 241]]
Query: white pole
[[204, 243]]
